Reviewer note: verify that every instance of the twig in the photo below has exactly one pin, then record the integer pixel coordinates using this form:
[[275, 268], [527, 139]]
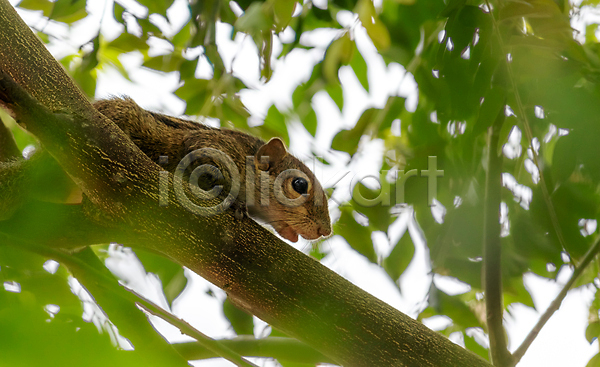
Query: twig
[[555, 305], [203, 339], [80, 266], [281, 348], [492, 270]]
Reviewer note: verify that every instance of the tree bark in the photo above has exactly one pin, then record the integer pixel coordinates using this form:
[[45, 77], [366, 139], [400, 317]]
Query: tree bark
[[268, 278]]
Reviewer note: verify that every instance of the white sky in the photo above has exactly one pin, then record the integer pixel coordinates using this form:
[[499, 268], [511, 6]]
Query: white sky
[[561, 342]]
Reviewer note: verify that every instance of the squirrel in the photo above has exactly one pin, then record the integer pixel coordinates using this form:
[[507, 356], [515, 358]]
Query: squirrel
[[275, 187]]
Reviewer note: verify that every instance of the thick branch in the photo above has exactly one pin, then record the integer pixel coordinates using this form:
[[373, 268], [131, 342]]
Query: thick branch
[[492, 255], [270, 279]]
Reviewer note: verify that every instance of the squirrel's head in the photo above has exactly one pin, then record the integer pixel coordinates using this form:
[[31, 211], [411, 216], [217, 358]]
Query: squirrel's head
[[287, 195]]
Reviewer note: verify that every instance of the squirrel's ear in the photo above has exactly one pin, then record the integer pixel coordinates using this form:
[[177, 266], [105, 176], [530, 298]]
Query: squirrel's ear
[[274, 150]]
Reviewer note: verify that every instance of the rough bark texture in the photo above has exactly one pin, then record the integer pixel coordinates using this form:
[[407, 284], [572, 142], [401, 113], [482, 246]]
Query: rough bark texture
[[265, 276]]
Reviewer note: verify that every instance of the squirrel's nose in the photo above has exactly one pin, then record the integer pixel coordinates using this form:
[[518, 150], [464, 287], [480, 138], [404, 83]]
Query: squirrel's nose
[[324, 231]]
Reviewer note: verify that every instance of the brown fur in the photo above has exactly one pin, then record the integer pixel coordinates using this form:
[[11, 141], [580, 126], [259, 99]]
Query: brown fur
[[160, 135]]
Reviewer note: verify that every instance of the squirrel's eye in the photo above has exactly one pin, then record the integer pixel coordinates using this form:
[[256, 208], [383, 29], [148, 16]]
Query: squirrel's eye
[[300, 185]]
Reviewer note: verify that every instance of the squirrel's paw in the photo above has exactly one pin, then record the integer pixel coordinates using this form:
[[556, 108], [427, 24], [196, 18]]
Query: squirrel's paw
[[239, 211]]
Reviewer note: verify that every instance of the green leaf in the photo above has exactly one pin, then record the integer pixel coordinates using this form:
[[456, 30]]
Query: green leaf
[[44, 5], [456, 307], [594, 362], [494, 102], [400, 257], [592, 331], [240, 320], [472, 345], [514, 289], [170, 274], [374, 204], [452, 6], [194, 92], [118, 11], [359, 66], [347, 140], [159, 7], [255, 20], [69, 11], [375, 28], [310, 122], [127, 42], [392, 111], [36, 338], [165, 63], [357, 236], [282, 11], [22, 137], [336, 93], [182, 38], [275, 120], [148, 28], [340, 52]]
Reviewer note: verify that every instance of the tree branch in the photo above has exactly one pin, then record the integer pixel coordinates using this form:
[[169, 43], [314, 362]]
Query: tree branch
[[268, 278], [492, 255], [187, 329], [281, 348], [555, 305]]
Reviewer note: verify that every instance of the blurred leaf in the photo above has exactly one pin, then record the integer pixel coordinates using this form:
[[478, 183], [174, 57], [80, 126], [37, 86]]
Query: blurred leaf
[[592, 331], [472, 345], [194, 92], [515, 291], [165, 63], [44, 5], [159, 7], [22, 137], [340, 52], [170, 274], [400, 257], [347, 140], [255, 20], [148, 28], [240, 320], [127, 42], [357, 236], [118, 11], [375, 28], [275, 121], [69, 11], [310, 122], [85, 73], [374, 204], [30, 337], [336, 93], [282, 11], [359, 66], [493, 103], [594, 361], [456, 307]]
